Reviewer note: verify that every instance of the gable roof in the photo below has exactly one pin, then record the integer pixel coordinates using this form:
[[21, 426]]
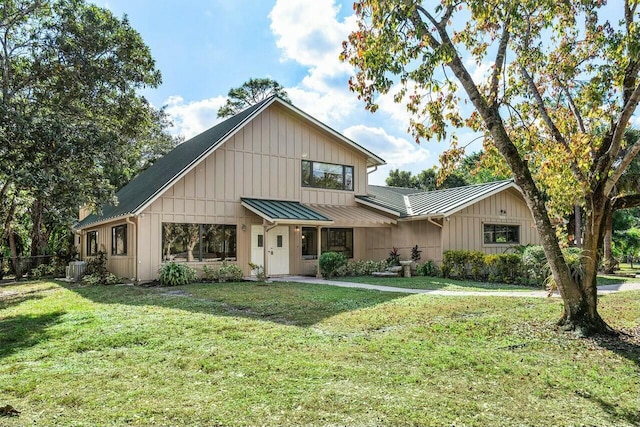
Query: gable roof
[[284, 211], [134, 197], [410, 203]]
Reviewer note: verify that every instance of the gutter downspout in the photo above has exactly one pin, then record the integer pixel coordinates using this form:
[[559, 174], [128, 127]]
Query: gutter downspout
[[135, 241]]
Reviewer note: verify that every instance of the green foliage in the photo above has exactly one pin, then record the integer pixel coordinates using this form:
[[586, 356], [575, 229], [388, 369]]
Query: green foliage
[[258, 270], [498, 268], [394, 257], [174, 274], [330, 262], [505, 268], [43, 270], [463, 264], [96, 273], [227, 272], [96, 279], [361, 268], [535, 264], [250, 93], [427, 180], [428, 268]]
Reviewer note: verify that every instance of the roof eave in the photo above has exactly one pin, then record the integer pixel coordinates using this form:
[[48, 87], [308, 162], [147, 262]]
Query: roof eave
[[378, 207], [102, 222]]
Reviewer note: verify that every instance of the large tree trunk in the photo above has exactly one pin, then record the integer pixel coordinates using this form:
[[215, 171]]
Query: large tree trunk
[[580, 307]]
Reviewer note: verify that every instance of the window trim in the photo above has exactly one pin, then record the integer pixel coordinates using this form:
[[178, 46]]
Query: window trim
[[199, 254], [311, 183], [88, 247], [494, 243], [114, 246], [327, 236]]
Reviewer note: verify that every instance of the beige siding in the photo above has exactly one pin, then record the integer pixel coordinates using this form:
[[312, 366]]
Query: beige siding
[[464, 230], [262, 160], [404, 236], [120, 265]]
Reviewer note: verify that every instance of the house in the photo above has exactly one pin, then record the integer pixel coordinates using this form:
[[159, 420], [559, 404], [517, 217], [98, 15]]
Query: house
[[276, 187]]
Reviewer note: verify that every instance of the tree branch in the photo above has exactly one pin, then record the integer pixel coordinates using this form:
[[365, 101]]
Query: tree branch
[[499, 63], [625, 202]]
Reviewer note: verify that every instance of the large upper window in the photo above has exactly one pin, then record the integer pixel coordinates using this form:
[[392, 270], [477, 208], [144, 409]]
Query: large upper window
[[119, 240], [494, 233], [331, 239], [327, 175], [92, 243], [198, 242]]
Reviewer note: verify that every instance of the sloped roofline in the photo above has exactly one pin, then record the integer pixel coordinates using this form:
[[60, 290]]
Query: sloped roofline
[[372, 159]]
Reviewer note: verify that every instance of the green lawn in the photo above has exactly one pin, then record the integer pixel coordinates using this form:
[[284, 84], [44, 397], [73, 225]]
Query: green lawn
[[438, 283], [293, 354]]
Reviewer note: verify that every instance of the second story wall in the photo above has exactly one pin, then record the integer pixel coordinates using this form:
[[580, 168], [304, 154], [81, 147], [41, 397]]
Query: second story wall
[[262, 160]]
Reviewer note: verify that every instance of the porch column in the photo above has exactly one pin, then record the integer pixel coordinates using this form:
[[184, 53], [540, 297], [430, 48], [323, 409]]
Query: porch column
[[265, 251], [319, 251]]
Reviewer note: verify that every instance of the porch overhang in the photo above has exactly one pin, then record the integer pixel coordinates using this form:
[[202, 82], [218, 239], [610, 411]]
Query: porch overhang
[[285, 212], [353, 216]]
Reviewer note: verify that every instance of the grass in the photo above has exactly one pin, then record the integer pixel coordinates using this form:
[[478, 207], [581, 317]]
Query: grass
[[294, 354], [439, 283]]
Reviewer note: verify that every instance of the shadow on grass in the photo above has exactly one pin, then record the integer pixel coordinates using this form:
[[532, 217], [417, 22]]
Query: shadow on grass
[[284, 303], [24, 331], [632, 417], [12, 297], [626, 344]]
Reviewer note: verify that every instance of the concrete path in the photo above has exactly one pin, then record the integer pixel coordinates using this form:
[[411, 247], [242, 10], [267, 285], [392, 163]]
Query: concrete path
[[605, 289]]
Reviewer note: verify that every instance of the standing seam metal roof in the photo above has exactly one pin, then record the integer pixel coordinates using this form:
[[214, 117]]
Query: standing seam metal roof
[[284, 210]]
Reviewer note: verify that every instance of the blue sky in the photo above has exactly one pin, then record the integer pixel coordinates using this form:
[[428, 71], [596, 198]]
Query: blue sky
[[204, 48]]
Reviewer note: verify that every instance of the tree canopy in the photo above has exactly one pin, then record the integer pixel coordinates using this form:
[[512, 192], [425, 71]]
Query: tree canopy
[[70, 111], [552, 86], [250, 93]]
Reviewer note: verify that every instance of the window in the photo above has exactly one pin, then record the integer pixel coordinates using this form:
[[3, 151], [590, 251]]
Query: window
[[92, 243], [327, 175], [331, 239], [119, 240], [279, 240], [501, 233], [198, 242]]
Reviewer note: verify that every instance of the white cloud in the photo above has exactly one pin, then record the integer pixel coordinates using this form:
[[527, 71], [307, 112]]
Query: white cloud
[[310, 34], [192, 118], [399, 153]]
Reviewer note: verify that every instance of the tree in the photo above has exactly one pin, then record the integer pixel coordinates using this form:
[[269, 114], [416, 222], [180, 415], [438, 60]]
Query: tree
[[427, 180], [560, 90], [69, 108], [250, 93]]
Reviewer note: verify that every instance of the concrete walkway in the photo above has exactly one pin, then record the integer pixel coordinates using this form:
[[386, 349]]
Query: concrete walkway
[[605, 289]]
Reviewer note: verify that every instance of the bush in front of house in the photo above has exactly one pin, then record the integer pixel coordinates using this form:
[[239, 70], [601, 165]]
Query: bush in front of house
[[330, 262], [96, 273], [428, 268], [505, 268], [535, 264], [227, 272], [464, 264], [361, 268], [174, 274]]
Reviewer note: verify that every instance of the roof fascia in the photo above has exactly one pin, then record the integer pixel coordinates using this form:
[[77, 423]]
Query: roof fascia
[[285, 221], [103, 221], [378, 207]]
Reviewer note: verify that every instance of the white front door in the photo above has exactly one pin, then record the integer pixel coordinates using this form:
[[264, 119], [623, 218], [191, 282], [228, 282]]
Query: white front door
[[277, 248], [257, 246]]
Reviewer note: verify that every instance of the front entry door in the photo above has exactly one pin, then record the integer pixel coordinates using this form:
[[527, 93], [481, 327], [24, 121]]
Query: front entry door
[[277, 242], [278, 250]]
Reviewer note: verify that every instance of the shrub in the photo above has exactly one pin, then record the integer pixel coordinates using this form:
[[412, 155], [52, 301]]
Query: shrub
[[225, 273], [361, 268], [415, 254], [463, 264], [330, 262], [96, 273], [174, 274], [394, 258], [429, 268], [259, 271], [505, 268], [43, 270], [535, 264]]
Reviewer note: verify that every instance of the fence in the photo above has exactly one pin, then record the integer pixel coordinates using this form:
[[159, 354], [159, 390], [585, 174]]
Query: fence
[[26, 264]]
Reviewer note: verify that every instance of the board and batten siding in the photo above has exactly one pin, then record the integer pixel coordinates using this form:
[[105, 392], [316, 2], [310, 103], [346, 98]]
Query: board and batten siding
[[465, 229], [120, 265], [262, 160], [404, 236]]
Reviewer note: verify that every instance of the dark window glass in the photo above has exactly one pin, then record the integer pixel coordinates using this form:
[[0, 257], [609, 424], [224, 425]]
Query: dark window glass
[[92, 243], [119, 240], [198, 242], [327, 175], [260, 241], [507, 234], [279, 240], [332, 239]]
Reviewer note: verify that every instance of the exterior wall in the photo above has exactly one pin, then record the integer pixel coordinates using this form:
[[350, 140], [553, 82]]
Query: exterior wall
[[120, 265], [464, 230], [262, 160], [404, 236]]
